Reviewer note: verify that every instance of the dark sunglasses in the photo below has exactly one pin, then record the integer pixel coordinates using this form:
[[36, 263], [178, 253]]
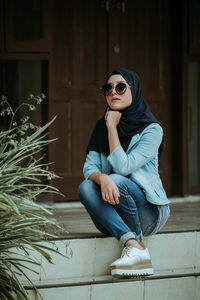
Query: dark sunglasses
[[108, 88]]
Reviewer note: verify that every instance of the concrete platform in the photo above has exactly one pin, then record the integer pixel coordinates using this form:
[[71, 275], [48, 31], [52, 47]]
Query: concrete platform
[[75, 221]]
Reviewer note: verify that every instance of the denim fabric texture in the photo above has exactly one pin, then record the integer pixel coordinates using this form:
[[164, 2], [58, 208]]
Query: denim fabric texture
[[143, 207], [133, 217]]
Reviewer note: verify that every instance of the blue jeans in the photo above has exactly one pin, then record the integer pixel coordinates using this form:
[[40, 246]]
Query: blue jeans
[[133, 217]]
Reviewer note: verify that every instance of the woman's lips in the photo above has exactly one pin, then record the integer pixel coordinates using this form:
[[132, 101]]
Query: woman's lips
[[115, 99]]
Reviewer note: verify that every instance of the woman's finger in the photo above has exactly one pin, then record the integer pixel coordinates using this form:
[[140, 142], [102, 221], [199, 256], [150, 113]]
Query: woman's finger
[[103, 196], [111, 199], [108, 197], [106, 115], [116, 196]]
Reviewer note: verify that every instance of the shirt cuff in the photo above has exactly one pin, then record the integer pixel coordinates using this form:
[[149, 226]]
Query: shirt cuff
[[87, 173], [117, 156]]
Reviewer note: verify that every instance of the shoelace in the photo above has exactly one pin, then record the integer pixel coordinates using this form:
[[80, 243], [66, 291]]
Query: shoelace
[[126, 250]]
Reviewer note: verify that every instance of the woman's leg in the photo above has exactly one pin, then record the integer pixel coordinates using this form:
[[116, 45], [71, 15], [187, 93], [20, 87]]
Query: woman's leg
[[137, 213], [125, 221], [104, 215]]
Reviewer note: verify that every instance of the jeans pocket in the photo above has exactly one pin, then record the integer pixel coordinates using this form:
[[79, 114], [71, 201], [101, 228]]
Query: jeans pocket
[[149, 229]]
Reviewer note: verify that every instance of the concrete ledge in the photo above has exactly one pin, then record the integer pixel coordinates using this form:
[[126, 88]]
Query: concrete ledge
[[174, 253], [192, 198], [183, 288], [76, 222], [77, 204], [91, 280]]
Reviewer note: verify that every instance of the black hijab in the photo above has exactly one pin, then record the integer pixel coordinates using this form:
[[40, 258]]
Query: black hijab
[[134, 119]]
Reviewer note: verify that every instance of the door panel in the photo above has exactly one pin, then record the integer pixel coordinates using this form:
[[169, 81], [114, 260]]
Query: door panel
[[79, 64], [138, 33], [143, 43]]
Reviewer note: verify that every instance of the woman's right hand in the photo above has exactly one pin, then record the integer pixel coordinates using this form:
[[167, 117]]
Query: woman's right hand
[[109, 190]]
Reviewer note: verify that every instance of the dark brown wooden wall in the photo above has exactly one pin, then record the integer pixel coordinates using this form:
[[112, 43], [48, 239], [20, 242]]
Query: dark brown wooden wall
[[88, 43]]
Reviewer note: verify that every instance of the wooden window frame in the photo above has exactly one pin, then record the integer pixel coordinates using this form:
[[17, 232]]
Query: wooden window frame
[[189, 53], [43, 45], [194, 47], [1, 26], [191, 58]]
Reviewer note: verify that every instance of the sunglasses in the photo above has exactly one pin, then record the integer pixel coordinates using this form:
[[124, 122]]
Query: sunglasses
[[108, 88]]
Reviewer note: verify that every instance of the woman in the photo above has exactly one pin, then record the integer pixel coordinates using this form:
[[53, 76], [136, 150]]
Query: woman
[[123, 192]]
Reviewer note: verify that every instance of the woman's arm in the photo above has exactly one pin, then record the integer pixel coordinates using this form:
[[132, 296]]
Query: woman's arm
[[92, 164], [109, 189], [93, 170], [145, 149], [112, 120]]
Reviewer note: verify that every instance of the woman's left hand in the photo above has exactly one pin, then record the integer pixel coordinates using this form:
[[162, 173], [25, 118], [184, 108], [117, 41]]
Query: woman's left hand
[[112, 118]]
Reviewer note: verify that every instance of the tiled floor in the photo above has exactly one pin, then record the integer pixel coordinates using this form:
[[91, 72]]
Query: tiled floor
[[184, 217]]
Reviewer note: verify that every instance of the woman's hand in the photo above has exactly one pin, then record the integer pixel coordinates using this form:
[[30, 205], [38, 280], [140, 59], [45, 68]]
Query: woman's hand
[[112, 118], [109, 190]]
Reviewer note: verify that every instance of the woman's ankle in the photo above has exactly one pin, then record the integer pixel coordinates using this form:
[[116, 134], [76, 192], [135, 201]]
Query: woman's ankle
[[142, 245], [134, 243]]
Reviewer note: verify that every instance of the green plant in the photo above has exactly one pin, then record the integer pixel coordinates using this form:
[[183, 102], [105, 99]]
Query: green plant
[[23, 177]]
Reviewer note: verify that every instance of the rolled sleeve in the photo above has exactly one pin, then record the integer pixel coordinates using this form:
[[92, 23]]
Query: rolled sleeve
[[92, 164], [141, 153]]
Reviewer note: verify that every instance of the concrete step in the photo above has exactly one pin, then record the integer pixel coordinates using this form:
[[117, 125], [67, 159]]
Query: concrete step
[[176, 288], [86, 274], [173, 254]]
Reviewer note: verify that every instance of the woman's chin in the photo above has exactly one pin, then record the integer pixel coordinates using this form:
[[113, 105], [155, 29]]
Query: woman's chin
[[117, 106]]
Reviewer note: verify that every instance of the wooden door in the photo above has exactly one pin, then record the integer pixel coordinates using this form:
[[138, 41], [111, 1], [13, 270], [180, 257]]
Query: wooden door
[[78, 70], [92, 38], [140, 39]]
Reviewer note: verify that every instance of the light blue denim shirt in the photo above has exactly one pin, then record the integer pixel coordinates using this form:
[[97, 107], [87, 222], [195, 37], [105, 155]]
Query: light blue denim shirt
[[139, 163]]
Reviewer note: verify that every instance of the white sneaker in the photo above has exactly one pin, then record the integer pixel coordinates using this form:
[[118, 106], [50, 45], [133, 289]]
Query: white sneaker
[[133, 262]]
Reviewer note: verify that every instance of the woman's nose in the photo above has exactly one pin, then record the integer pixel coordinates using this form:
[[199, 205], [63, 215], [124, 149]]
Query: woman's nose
[[114, 91]]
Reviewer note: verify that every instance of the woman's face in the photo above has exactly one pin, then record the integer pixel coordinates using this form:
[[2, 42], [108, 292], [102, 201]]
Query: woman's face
[[116, 101]]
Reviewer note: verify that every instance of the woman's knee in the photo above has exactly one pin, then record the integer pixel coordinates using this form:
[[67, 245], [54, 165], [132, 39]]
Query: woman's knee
[[85, 187], [116, 178]]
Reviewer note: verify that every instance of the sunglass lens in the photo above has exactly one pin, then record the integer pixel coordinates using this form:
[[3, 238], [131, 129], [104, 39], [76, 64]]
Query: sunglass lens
[[121, 88], [107, 89]]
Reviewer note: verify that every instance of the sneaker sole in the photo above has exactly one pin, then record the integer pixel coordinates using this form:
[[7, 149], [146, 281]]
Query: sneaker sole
[[132, 273], [146, 264]]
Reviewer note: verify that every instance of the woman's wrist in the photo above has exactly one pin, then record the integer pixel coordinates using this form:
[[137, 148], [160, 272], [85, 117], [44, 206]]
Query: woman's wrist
[[102, 177], [111, 126], [113, 138], [97, 177]]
